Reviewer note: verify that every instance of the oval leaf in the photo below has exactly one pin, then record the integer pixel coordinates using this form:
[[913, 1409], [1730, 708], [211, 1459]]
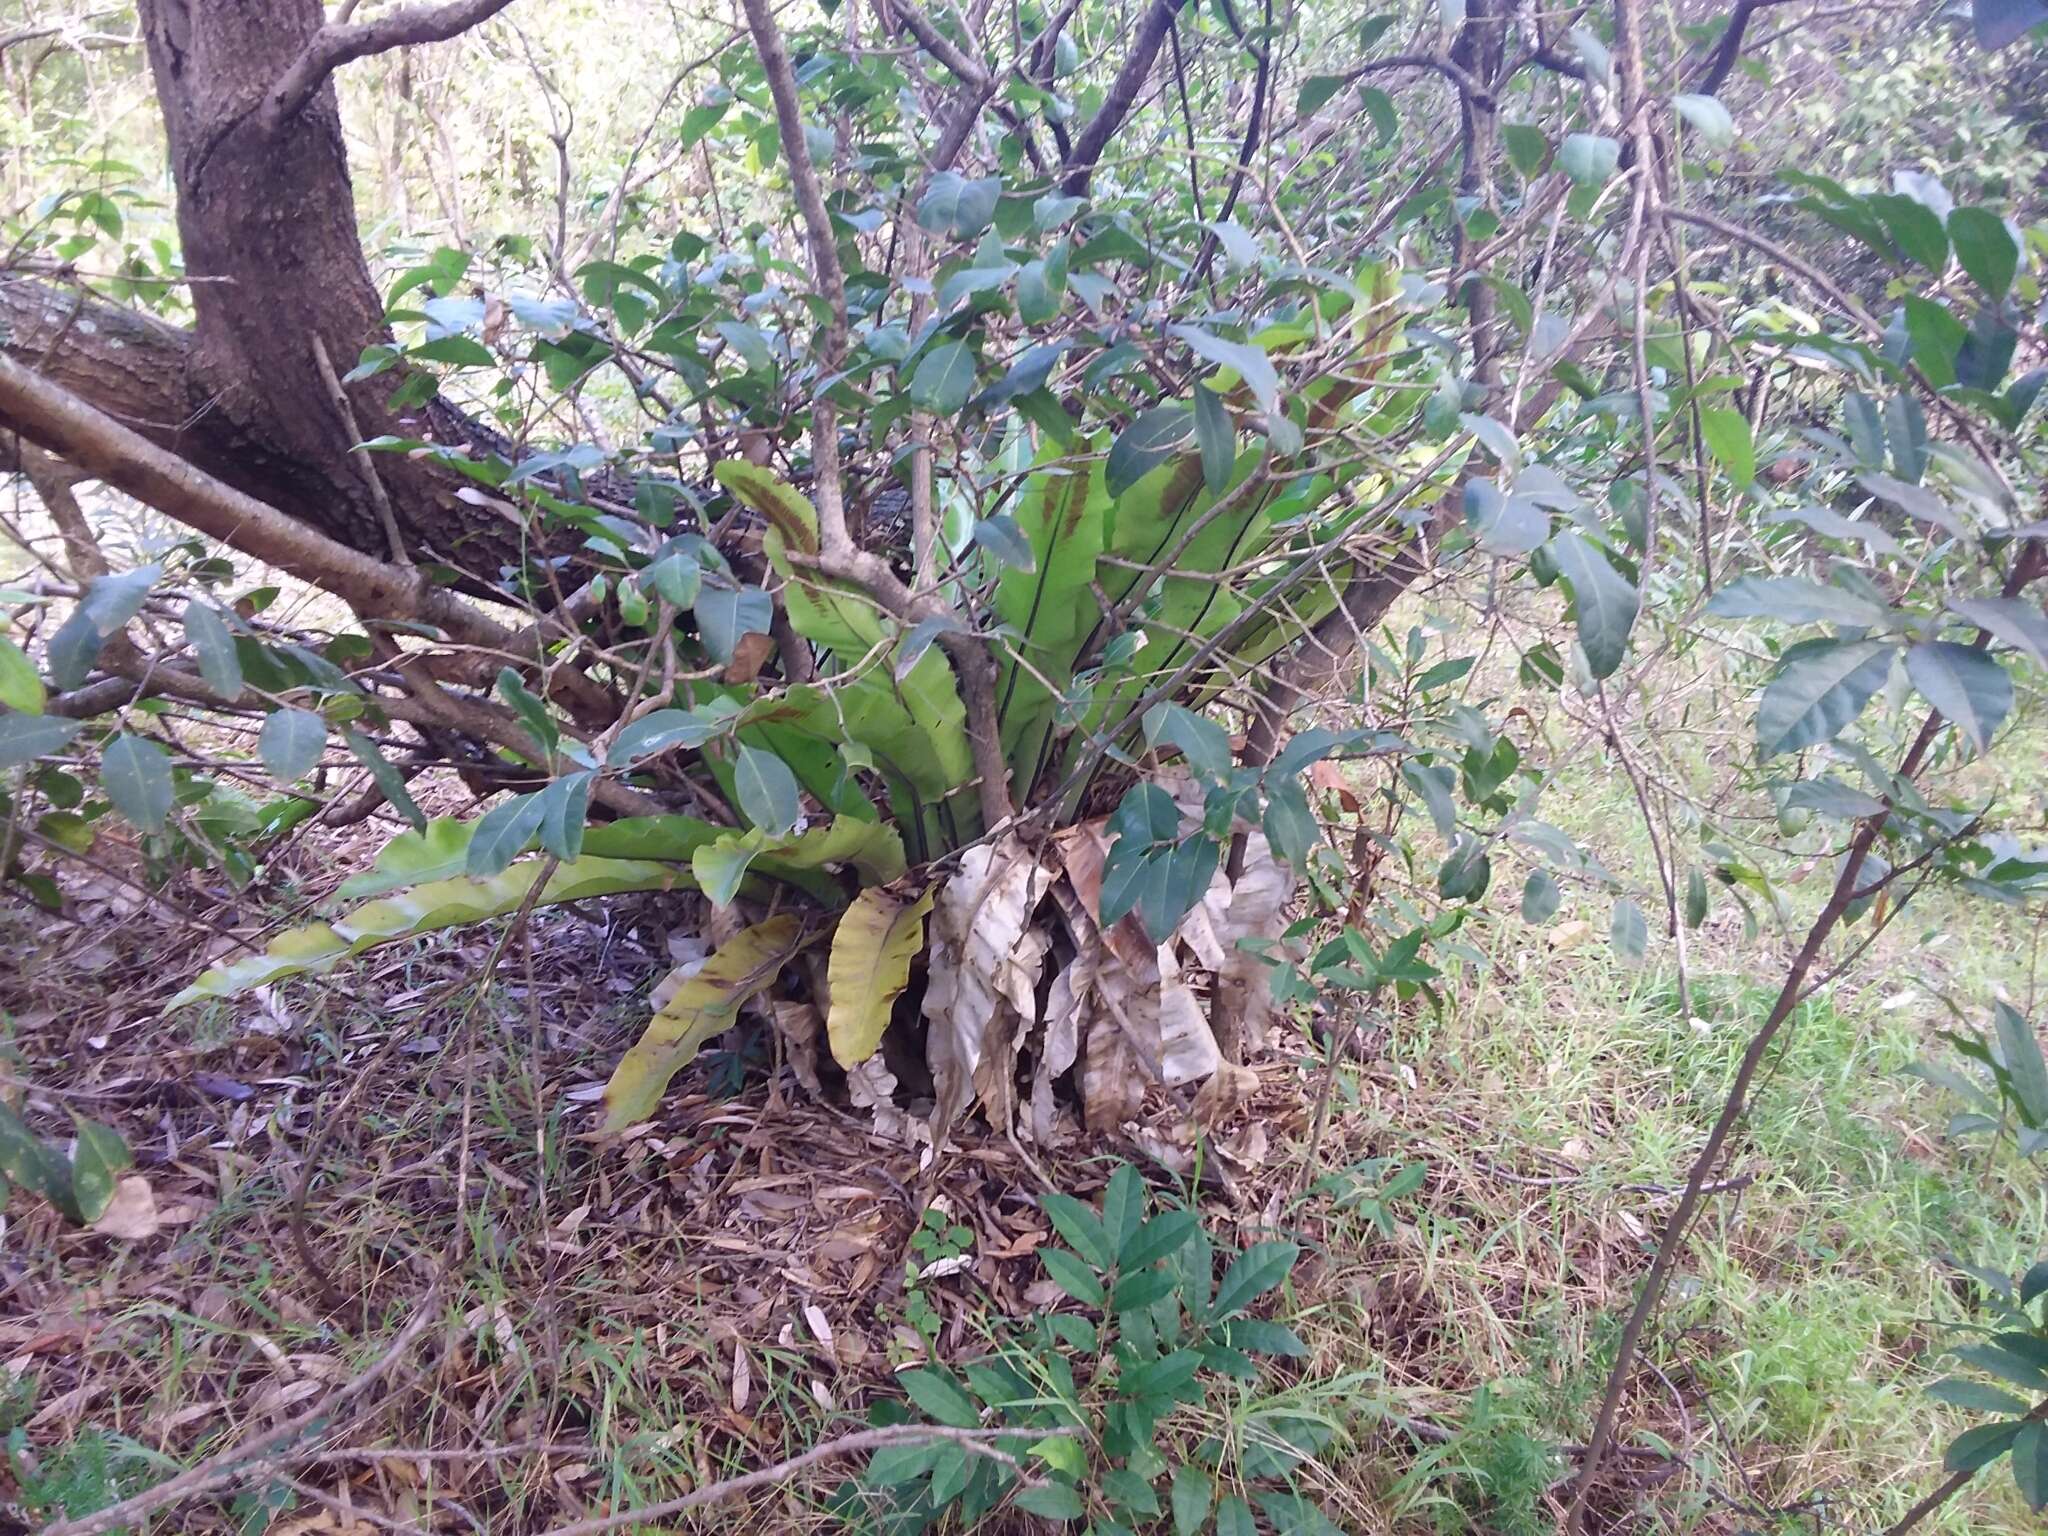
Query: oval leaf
[[1963, 683], [870, 965], [1606, 602], [1821, 686], [291, 742], [767, 791], [214, 645], [136, 774], [944, 379]]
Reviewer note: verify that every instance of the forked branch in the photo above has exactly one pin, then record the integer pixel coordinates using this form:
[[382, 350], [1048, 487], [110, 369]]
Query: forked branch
[[339, 43]]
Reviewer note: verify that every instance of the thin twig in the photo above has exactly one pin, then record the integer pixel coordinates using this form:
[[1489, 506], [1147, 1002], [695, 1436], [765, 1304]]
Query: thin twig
[[230, 1466]]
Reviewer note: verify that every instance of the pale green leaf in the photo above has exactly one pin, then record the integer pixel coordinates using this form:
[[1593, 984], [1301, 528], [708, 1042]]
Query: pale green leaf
[[214, 644], [20, 688], [291, 742], [1589, 158], [767, 791], [1707, 117], [24, 738]]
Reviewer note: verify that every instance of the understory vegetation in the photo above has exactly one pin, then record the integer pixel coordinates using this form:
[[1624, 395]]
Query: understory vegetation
[[1130, 765]]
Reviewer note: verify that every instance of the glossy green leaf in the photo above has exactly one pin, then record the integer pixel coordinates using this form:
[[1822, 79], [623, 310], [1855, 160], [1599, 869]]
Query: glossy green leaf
[[1630, 932], [1252, 1273], [2014, 620], [1202, 742], [24, 738], [1215, 437], [1002, 537], [1072, 1276], [1975, 1448], [1985, 248], [1124, 1203], [1081, 1228], [1821, 686], [1316, 90], [2020, 1047], [1042, 286], [503, 833], [663, 730], [1977, 1396], [136, 774], [944, 379], [1795, 600], [291, 742], [1695, 898], [97, 1163], [1540, 897], [110, 602], [1051, 1501], [1915, 228], [1158, 1238], [214, 644], [2030, 1465], [1965, 684], [387, 777], [1247, 360], [565, 813], [1192, 1495], [767, 791], [2003, 1364], [1527, 147], [1606, 603], [1155, 436], [935, 1391], [954, 205]]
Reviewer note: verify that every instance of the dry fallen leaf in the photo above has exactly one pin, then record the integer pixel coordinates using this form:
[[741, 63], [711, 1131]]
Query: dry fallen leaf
[[1223, 1094], [132, 1213], [742, 1378], [1569, 935]]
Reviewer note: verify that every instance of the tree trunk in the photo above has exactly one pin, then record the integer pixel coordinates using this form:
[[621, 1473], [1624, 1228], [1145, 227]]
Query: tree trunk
[[266, 216]]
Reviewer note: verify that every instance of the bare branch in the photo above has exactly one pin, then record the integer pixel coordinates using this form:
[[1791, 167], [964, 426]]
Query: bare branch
[[338, 43], [1722, 60], [967, 70], [1122, 96], [65, 425], [838, 555]]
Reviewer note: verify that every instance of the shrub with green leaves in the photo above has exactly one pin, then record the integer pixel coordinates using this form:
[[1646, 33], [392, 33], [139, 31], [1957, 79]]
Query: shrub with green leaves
[[1088, 1397]]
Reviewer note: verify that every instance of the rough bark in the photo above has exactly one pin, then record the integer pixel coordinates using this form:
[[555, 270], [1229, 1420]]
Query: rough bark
[[266, 217]]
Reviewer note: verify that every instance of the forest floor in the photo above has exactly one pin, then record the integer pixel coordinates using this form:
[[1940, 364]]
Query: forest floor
[[608, 1326]]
